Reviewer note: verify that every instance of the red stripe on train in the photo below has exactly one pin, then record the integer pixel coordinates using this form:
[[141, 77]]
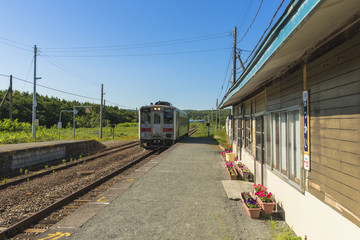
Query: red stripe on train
[[168, 130], [145, 129]]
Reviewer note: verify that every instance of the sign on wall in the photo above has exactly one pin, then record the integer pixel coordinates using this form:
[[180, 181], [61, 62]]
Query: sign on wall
[[306, 131]]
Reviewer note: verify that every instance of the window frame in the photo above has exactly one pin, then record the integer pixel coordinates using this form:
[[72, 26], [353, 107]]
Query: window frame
[[275, 164], [248, 133]]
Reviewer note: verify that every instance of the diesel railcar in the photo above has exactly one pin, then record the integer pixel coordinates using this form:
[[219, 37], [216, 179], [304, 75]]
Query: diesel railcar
[[161, 125]]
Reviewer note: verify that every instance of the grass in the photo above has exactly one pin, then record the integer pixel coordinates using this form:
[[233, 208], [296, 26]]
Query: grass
[[125, 131], [218, 135], [282, 233]]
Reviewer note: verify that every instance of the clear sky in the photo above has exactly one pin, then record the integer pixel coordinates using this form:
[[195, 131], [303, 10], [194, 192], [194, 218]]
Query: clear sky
[[141, 50]]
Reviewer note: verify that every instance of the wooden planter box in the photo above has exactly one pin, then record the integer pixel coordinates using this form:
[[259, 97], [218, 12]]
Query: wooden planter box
[[252, 212]]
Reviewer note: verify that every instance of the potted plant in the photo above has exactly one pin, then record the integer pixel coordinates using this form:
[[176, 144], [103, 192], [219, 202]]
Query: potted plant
[[231, 170], [264, 198], [242, 169], [222, 154], [251, 206]]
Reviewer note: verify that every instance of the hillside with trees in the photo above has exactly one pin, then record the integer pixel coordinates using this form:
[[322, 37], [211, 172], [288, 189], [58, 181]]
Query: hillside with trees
[[48, 110], [205, 115]]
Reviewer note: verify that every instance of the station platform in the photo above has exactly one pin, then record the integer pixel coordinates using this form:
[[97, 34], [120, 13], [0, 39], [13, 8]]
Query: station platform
[[25, 155], [179, 194]]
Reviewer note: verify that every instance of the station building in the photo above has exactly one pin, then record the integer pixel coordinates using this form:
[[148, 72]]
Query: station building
[[296, 117]]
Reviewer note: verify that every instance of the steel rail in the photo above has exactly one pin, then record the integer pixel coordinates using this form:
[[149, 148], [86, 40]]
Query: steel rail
[[71, 164], [12, 230]]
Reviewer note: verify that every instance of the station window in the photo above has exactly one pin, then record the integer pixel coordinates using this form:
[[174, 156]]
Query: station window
[[168, 116], [145, 116], [248, 133], [259, 133], [283, 143]]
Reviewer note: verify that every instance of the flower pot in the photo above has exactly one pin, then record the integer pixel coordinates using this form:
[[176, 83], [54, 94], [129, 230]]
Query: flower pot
[[267, 207], [232, 177], [252, 212], [230, 157], [242, 173]]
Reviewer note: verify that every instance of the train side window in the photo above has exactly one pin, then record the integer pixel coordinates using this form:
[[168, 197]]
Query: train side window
[[168, 116], [145, 116], [156, 118]]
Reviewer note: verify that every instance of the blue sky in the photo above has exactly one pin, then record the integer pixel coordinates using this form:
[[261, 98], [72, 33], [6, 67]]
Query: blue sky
[[142, 51]]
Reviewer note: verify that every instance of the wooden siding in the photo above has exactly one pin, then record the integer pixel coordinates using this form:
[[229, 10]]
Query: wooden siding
[[247, 108], [285, 92], [334, 86], [260, 103]]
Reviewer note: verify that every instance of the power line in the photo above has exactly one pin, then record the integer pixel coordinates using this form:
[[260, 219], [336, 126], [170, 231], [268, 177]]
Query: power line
[[139, 45], [54, 89], [251, 22], [119, 105], [25, 45], [11, 45], [272, 19], [140, 55], [68, 70], [244, 14], [227, 70]]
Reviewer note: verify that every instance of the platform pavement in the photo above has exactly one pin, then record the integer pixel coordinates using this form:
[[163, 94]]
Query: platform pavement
[[180, 196]]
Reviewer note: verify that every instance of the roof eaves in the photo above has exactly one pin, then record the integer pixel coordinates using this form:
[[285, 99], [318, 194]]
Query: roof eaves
[[295, 13]]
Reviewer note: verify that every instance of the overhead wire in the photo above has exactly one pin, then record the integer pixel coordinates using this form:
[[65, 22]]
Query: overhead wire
[[139, 45], [119, 105], [227, 70], [267, 28], [140, 55], [68, 70], [11, 45], [54, 89], [25, 45], [244, 14], [251, 22]]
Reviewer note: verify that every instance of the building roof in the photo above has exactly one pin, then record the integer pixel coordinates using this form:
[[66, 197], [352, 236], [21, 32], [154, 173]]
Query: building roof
[[302, 26]]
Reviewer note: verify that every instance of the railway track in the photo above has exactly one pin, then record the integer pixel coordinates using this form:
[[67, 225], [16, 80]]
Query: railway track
[[91, 157], [15, 228]]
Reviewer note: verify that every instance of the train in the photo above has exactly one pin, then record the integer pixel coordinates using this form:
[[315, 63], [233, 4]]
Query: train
[[161, 125]]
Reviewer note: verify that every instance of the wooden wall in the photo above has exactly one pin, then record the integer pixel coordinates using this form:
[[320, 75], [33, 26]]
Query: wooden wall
[[334, 89], [285, 92]]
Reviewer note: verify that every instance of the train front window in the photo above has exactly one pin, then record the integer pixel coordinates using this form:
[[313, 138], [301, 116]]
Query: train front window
[[168, 116], [156, 118], [145, 116]]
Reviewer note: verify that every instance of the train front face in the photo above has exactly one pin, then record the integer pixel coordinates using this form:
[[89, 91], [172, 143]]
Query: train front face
[[156, 128]]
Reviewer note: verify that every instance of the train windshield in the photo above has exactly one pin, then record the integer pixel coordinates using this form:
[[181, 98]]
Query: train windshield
[[146, 116], [168, 116], [157, 118]]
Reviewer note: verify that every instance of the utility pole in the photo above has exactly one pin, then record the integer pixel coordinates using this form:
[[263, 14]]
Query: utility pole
[[10, 99], [136, 115], [101, 110], [234, 64], [216, 114], [234, 57], [212, 113], [34, 97]]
